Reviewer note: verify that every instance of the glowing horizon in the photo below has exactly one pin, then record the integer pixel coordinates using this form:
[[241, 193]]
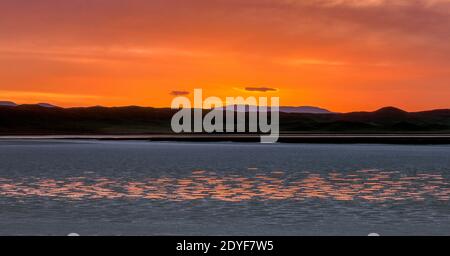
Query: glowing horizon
[[342, 55]]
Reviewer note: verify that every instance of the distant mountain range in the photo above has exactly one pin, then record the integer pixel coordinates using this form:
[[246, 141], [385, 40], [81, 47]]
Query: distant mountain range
[[8, 103], [49, 119], [47, 105], [13, 104], [305, 109], [301, 109]]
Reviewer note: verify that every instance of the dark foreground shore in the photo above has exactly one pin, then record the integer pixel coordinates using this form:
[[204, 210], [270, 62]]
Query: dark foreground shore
[[285, 138]]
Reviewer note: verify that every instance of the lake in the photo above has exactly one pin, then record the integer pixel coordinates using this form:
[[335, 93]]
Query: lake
[[57, 187]]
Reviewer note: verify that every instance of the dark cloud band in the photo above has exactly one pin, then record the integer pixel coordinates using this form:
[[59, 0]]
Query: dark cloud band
[[179, 93], [260, 89]]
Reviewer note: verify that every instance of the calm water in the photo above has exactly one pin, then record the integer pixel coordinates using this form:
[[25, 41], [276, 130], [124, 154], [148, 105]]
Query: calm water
[[148, 188]]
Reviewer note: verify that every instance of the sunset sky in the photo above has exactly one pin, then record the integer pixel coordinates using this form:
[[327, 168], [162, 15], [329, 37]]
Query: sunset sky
[[344, 55]]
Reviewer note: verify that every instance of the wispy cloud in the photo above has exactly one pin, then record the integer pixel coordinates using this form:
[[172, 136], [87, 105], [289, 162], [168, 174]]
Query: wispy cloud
[[179, 93], [260, 89], [367, 3], [99, 54]]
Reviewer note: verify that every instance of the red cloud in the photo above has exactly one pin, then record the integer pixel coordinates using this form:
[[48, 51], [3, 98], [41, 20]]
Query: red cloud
[[179, 93], [260, 89]]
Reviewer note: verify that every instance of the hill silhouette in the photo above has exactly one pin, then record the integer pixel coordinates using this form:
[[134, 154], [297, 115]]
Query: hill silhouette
[[38, 119], [7, 103], [300, 109]]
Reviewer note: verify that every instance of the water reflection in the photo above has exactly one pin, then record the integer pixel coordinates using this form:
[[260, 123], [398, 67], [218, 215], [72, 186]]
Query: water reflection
[[367, 185]]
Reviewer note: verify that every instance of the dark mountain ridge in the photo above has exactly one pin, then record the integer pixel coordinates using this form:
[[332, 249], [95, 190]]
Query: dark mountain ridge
[[36, 119], [7, 104]]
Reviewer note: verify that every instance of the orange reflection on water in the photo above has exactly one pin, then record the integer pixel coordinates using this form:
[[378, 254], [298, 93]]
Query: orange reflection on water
[[368, 185]]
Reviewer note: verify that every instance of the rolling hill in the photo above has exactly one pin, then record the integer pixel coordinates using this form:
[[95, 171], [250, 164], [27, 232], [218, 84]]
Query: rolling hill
[[38, 119]]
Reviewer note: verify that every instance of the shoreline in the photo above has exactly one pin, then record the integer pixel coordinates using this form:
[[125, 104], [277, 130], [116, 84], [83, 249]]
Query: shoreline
[[432, 139]]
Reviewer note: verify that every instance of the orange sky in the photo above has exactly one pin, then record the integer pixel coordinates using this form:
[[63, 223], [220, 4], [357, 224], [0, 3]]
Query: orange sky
[[343, 55]]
